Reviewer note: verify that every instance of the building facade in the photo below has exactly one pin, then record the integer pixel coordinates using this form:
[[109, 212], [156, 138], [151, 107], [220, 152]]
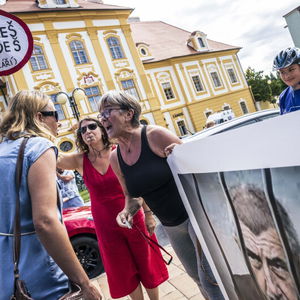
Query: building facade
[[178, 77], [293, 23]]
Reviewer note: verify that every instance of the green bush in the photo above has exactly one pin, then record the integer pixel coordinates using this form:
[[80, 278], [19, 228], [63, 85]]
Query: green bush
[[85, 195]]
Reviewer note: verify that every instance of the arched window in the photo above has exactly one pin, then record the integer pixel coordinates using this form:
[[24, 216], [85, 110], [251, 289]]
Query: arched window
[[78, 52], [37, 60], [115, 48]]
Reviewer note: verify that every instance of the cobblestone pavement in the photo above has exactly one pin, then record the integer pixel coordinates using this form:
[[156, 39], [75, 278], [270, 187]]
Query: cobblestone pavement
[[179, 286]]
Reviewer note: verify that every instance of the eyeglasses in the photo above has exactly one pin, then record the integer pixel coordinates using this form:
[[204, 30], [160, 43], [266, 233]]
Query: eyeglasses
[[106, 112], [50, 114], [288, 70], [92, 126]]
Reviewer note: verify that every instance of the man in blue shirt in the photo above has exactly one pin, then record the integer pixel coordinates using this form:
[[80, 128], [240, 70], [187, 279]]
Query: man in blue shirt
[[68, 188], [287, 64]]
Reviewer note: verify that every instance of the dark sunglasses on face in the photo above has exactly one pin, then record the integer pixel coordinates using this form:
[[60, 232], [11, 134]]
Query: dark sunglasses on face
[[50, 114], [92, 126]]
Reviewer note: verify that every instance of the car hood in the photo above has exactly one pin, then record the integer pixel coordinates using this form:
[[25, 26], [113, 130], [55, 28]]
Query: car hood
[[79, 220], [76, 213]]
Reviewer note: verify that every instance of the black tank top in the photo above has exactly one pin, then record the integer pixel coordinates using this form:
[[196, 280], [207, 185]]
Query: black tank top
[[151, 178]]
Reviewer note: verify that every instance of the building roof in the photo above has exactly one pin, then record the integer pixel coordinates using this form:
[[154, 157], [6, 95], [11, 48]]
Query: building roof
[[167, 41], [27, 6], [295, 9]]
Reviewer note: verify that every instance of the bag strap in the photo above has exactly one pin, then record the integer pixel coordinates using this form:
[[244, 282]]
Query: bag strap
[[151, 241], [17, 222]]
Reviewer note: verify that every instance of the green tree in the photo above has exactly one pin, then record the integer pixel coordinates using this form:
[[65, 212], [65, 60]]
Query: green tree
[[258, 84], [276, 86], [264, 87]]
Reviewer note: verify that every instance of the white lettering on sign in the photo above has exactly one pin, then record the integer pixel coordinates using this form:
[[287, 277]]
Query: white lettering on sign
[[15, 43]]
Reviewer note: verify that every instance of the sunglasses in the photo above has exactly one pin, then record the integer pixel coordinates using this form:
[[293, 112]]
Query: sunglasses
[[50, 114], [92, 126]]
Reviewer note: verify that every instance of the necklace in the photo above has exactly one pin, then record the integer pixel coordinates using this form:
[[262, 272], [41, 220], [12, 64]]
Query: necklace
[[128, 150], [97, 153]]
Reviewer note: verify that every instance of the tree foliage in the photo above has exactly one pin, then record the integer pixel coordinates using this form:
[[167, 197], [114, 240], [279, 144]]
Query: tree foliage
[[264, 87]]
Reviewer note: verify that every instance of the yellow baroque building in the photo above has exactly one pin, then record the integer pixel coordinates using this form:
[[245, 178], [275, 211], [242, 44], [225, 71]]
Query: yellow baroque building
[[179, 77]]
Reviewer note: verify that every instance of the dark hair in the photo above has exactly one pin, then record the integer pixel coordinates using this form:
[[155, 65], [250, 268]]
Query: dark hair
[[81, 145], [125, 101], [252, 209]]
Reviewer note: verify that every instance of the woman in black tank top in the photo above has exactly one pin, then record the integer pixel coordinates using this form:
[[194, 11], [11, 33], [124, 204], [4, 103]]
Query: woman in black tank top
[[141, 166]]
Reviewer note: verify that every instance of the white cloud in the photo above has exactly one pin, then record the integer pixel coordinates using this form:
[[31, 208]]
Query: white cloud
[[257, 25]]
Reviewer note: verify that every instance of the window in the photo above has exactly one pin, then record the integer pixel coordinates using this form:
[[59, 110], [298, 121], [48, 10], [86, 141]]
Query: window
[[201, 43], [216, 79], [65, 146], [197, 83], [168, 90], [37, 60], [60, 1], [78, 52], [232, 75], [226, 107], [58, 108], [182, 128], [129, 87], [93, 95], [244, 107], [115, 48], [143, 51]]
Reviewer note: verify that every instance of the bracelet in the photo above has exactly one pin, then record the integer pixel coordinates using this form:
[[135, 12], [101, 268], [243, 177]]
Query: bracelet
[[148, 211]]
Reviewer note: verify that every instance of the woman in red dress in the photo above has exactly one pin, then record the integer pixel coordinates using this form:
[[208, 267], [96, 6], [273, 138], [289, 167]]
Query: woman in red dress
[[128, 259]]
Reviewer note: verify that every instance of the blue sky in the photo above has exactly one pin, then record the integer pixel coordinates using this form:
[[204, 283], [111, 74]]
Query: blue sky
[[257, 26]]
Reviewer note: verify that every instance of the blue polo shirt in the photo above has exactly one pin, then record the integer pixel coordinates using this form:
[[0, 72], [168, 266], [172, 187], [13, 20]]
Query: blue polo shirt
[[289, 100]]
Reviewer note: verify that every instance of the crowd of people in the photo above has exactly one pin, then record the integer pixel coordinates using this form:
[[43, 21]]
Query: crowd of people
[[124, 166]]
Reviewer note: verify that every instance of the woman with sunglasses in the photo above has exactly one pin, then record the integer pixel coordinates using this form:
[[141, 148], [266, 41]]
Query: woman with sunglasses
[[128, 259], [46, 254], [141, 166]]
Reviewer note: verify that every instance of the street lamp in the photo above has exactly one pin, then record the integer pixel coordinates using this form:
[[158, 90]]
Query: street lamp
[[77, 95]]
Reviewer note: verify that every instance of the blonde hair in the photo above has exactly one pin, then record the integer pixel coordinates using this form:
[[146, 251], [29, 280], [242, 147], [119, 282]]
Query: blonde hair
[[21, 119]]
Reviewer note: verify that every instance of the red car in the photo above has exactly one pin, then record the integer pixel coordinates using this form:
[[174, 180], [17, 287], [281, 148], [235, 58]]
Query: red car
[[81, 229]]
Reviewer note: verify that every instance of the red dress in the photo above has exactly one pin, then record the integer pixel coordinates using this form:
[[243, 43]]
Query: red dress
[[127, 257]]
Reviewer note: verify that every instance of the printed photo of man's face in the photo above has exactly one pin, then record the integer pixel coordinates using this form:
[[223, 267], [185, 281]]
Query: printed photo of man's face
[[262, 243], [268, 262]]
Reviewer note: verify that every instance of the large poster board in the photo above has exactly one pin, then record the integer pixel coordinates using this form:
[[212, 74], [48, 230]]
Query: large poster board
[[241, 189]]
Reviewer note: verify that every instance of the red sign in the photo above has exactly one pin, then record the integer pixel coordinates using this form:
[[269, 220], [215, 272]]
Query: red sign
[[16, 43]]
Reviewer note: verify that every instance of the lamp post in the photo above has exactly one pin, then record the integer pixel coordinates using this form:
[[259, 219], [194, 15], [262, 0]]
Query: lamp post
[[76, 95]]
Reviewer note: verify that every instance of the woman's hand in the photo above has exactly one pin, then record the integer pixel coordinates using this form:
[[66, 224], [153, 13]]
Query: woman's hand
[[150, 222], [124, 218], [90, 292], [169, 149]]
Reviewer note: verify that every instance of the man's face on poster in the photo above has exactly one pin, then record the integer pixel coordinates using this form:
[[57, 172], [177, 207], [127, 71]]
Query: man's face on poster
[[267, 258]]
